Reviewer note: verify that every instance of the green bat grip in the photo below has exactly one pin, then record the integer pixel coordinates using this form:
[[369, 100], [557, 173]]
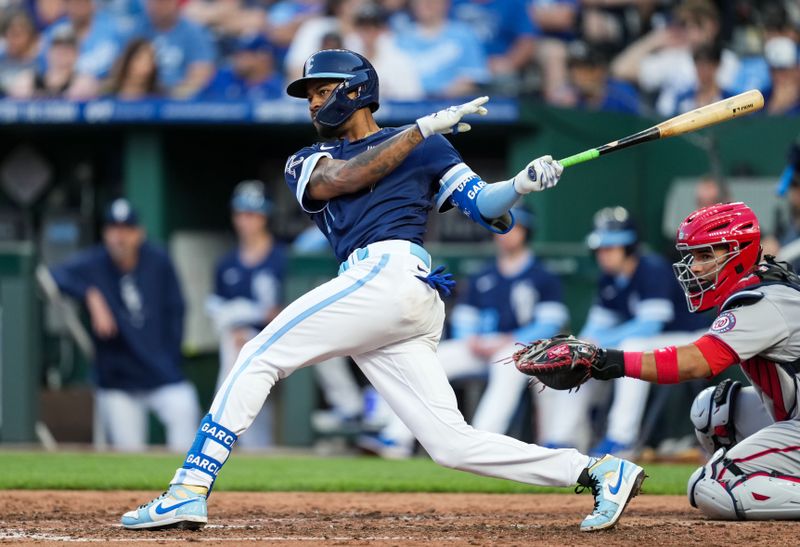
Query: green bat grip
[[575, 159]]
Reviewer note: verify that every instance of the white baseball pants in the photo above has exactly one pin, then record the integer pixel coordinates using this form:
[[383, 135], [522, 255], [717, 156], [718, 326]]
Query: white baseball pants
[[124, 415], [385, 317], [504, 388], [260, 433]]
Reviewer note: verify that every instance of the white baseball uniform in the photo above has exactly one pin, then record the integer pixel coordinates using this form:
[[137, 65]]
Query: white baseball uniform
[[383, 310]]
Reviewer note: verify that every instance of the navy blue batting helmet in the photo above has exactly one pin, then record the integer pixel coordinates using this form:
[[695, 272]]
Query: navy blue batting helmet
[[613, 227], [358, 76]]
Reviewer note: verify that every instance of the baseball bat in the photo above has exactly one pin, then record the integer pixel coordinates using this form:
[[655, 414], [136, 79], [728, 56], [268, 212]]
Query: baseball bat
[[720, 111]]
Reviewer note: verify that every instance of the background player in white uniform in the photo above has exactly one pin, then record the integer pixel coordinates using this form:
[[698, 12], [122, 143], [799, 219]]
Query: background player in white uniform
[[512, 298], [370, 190], [638, 306], [754, 432], [248, 286]]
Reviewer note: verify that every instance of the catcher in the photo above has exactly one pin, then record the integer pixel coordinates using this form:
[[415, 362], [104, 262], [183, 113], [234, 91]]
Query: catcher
[[753, 433]]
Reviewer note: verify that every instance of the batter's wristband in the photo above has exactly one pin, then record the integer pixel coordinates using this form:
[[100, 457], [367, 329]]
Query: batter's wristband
[[667, 365]]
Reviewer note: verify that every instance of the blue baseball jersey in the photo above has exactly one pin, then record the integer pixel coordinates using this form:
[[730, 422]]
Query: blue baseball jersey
[[261, 283], [228, 85], [452, 53], [395, 207], [497, 23], [508, 303], [651, 294], [96, 51], [148, 308], [177, 48]]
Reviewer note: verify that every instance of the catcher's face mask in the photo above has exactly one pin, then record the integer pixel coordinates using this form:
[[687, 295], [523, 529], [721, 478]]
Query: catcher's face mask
[[700, 271]]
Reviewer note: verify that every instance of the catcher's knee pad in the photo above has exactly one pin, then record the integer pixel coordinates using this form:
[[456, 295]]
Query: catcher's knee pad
[[762, 496], [712, 414], [754, 496], [708, 494]]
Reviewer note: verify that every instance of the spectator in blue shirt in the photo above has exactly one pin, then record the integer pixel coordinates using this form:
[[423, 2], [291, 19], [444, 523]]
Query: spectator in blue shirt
[[19, 49], [99, 42], [283, 19], [557, 21], [590, 85], [450, 58], [251, 74], [781, 53], [505, 31], [57, 76], [136, 309], [185, 52]]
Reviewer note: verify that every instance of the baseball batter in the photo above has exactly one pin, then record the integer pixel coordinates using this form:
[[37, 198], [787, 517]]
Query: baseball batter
[[370, 190], [753, 432], [513, 297]]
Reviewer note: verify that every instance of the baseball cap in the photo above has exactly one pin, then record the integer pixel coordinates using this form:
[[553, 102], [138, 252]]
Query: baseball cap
[[120, 211], [64, 34], [613, 227], [583, 53], [249, 197], [371, 14], [252, 42], [780, 52]]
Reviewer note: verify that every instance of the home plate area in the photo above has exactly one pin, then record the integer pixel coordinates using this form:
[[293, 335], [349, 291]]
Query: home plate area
[[309, 518]]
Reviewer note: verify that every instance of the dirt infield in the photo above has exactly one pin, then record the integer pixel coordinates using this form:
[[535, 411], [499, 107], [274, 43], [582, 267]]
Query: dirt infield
[[38, 517]]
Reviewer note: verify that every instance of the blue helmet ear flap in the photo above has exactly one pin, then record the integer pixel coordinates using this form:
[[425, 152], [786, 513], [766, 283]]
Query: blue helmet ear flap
[[339, 106]]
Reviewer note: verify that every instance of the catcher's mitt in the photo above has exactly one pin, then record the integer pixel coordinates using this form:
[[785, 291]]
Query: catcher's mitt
[[562, 362]]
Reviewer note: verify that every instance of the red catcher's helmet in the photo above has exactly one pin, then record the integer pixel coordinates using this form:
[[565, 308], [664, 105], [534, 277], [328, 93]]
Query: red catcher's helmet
[[733, 226]]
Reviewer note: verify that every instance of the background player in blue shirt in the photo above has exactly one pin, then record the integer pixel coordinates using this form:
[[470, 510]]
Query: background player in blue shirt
[[638, 302], [370, 190], [513, 298], [248, 288], [131, 291]]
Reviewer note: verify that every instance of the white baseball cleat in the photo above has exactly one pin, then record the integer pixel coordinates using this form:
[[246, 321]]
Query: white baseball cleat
[[178, 507], [614, 482]]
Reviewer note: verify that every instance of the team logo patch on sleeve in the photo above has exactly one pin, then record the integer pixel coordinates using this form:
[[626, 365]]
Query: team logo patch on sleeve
[[724, 323]]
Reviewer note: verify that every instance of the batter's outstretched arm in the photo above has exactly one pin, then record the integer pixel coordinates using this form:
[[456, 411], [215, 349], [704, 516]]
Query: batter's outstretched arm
[[331, 178]]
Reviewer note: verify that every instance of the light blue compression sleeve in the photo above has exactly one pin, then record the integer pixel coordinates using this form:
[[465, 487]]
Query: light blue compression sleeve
[[495, 199]]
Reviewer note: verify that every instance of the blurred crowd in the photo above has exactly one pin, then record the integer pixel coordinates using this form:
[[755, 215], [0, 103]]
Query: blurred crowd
[[637, 56]]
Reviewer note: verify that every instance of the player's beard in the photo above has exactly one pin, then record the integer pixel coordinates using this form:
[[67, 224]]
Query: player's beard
[[326, 132]]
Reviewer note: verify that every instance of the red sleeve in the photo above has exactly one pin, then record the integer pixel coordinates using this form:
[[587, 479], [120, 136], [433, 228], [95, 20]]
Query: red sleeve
[[718, 354]]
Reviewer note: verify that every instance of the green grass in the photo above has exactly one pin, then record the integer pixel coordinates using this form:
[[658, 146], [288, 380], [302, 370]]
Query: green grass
[[89, 471]]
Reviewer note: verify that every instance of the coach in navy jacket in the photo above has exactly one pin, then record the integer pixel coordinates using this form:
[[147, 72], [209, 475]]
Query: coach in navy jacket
[[131, 291]]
